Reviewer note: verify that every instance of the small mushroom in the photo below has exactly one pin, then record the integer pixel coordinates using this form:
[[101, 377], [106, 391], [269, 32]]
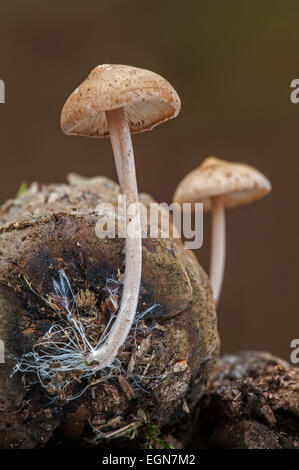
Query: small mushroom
[[218, 185], [115, 101]]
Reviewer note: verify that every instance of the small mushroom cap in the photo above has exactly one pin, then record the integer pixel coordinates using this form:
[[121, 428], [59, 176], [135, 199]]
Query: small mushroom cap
[[147, 98], [237, 183]]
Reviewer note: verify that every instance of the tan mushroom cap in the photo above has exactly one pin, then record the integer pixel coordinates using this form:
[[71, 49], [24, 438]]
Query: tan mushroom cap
[[237, 183], [147, 98]]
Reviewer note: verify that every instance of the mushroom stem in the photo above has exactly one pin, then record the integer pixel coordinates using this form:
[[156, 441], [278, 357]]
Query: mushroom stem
[[217, 246], [124, 159]]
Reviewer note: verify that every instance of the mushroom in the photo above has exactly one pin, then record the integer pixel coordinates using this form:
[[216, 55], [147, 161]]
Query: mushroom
[[118, 100], [219, 184]]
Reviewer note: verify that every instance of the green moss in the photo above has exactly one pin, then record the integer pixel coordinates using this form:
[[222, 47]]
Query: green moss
[[23, 187], [152, 438]]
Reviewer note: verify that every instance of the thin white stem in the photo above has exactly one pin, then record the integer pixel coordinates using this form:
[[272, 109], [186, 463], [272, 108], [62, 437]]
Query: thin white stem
[[217, 246], [124, 159]]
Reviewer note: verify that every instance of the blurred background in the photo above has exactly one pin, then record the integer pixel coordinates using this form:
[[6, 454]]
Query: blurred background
[[232, 63]]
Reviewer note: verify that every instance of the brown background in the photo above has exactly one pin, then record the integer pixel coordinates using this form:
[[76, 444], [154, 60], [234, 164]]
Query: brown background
[[232, 63]]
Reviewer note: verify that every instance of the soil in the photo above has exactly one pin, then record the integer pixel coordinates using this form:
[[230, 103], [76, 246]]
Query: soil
[[50, 259]]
